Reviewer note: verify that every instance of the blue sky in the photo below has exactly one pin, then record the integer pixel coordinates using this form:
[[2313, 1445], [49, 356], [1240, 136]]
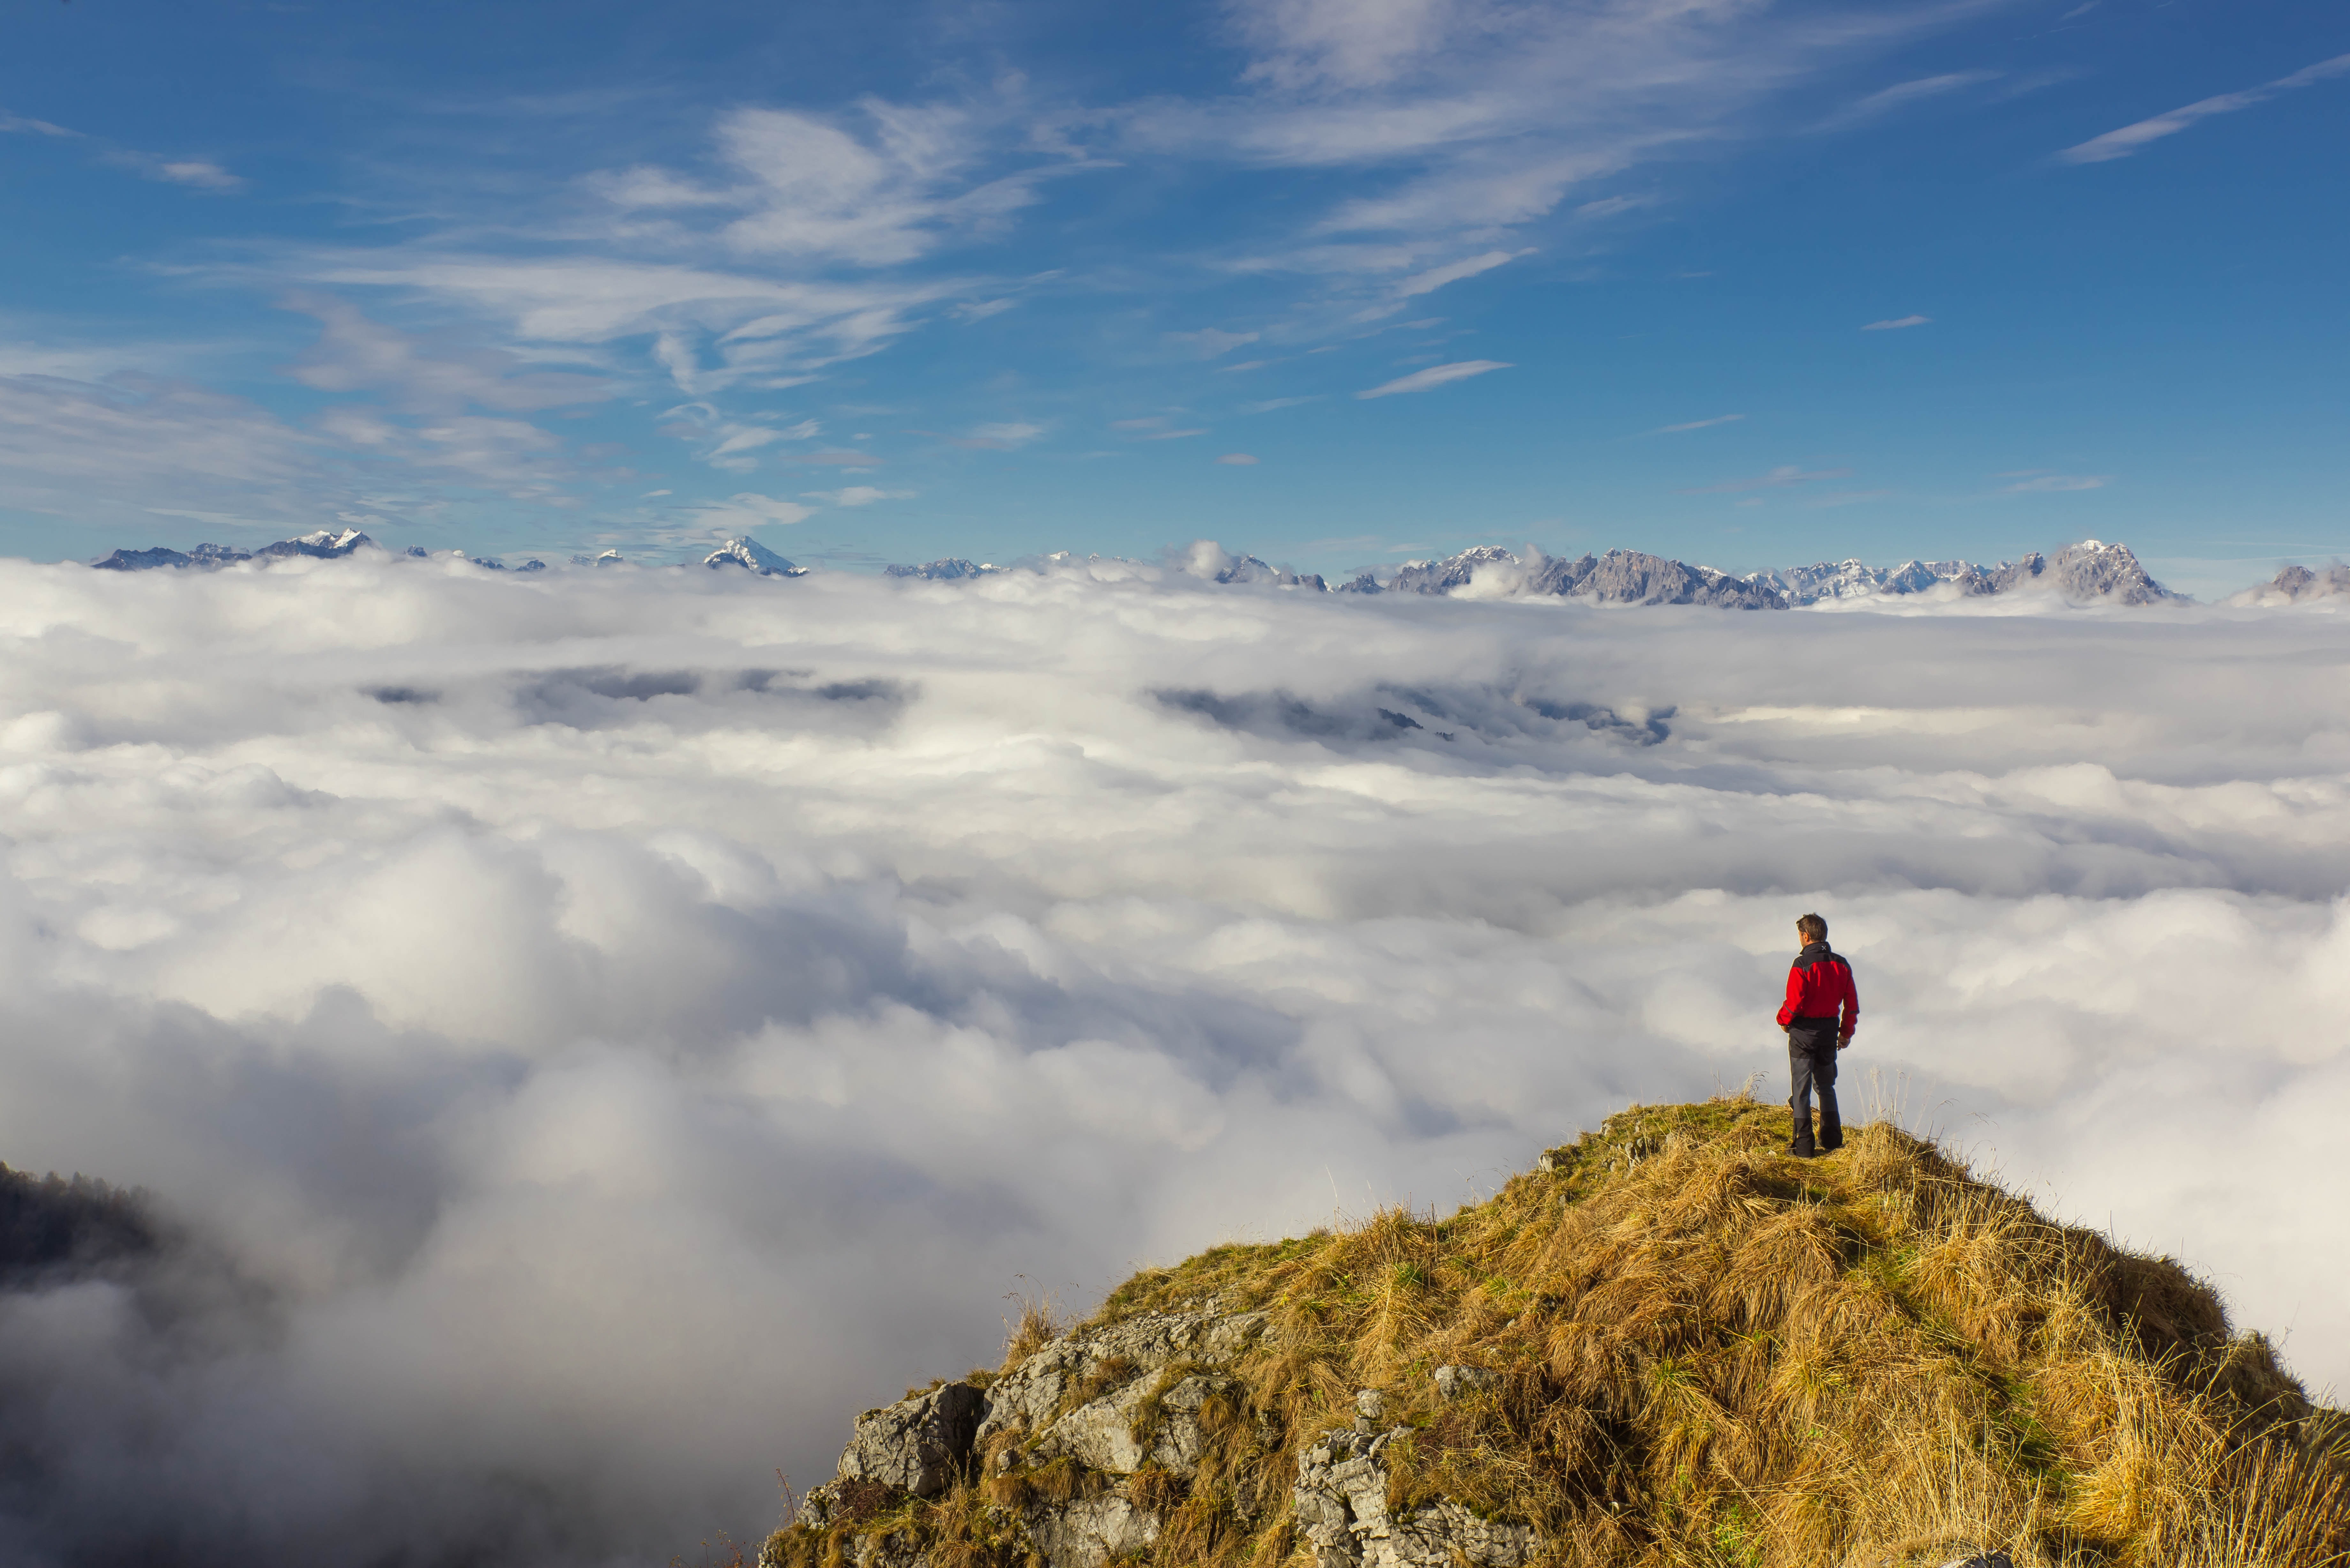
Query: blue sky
[[1337, 283]]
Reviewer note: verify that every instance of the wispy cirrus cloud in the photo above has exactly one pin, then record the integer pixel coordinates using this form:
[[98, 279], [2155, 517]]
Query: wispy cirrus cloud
[[2036, 482], [1434, 376], [1901, 95], [1001, 436], [740, 513], [19, 125], [1210, 343], [856, 496], [1897, 323], [2130, 139], [1776, 479], [1698, 424], [1436, 277]]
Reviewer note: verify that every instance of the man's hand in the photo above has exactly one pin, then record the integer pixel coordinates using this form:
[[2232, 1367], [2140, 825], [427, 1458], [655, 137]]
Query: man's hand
[[1842, 1041]]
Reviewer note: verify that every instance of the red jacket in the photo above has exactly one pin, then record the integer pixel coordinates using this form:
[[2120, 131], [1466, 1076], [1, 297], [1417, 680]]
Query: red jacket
[[1820, 986]]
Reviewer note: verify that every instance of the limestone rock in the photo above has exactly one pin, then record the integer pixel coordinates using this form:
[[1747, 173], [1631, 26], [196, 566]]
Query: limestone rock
[[1460, 1381], [1030, 1396], [918, 1445], [1088, 1534], [1102, 1433], [1341, 1502]]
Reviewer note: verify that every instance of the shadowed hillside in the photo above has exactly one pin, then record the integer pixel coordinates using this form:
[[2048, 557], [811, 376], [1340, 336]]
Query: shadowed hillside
[[1671, 1343], [50, 1227]]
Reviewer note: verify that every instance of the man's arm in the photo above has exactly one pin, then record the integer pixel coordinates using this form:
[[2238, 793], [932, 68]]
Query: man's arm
[[1851, 1008], [1794, 995]]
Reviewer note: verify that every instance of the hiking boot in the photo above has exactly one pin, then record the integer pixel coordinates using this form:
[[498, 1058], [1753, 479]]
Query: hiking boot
[[1800, 1152]]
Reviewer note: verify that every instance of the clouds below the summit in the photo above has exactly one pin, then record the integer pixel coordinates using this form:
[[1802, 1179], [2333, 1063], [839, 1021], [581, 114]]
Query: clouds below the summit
[[619, 1024]]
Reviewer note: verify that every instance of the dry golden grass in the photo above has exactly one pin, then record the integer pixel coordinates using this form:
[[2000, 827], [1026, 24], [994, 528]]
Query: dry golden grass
[[1711, 1353]]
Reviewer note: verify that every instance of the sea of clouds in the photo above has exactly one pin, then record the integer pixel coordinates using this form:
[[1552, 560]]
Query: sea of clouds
[[601, 1030]]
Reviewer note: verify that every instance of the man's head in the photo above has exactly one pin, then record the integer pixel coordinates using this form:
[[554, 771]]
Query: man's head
[[1811, 928]]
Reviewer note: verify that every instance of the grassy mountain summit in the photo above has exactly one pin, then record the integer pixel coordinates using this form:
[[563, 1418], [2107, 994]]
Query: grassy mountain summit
[[1671, 1343]]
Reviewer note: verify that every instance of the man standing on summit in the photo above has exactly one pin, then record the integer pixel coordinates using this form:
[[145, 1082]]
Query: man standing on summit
[[1818, 1015]]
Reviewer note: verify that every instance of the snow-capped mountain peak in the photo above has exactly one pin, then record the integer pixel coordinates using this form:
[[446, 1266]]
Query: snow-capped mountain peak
[[745, 551]]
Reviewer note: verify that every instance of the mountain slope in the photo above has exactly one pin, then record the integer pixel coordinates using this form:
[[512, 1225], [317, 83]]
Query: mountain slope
[[1671, 1343]]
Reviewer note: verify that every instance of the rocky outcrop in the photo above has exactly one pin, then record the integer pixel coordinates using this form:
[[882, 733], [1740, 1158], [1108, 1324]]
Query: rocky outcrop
[[1073, 1374], [1090, 1532], [1341, 1506], [919, 1444], [1460, 1382], [1094, 1407]]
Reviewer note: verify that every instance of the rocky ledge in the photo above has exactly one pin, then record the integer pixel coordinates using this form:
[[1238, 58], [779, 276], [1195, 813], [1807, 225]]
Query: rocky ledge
[[1077, 1453]]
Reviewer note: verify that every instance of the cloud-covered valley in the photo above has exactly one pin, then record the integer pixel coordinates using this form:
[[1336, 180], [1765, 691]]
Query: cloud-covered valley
[[595, 1032]]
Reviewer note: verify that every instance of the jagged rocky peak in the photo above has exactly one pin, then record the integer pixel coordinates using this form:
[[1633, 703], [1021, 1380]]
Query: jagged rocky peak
[[2296, 585], [2093, 570], [1853, 579], [1206, 558], [948, 569], [1619, 577], [747, 551]]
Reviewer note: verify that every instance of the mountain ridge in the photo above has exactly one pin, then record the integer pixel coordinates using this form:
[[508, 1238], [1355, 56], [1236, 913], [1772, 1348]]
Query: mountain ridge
[[2087, 572], [1670, 1343]]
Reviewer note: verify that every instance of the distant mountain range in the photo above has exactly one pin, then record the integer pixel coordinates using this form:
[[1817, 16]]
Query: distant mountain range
[[2090, 572]]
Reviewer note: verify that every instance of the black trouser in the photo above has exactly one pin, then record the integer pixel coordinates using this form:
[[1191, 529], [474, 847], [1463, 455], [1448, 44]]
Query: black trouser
[[1811, 1062]]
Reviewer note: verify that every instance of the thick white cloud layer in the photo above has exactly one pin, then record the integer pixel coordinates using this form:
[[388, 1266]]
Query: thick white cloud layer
[[619, 1024]]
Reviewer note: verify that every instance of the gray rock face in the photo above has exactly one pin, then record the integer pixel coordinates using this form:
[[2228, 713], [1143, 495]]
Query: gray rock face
[[1028, 1398], [1341, 1502], [1102, 1433], [1115, 1400], [1364, 583], [917, 1445], [1088, 1534]]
